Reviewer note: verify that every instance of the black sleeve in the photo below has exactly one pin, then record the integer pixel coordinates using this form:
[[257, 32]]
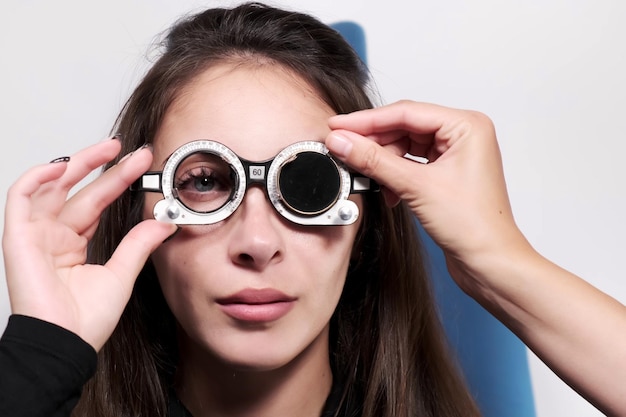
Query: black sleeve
[[43, 368]]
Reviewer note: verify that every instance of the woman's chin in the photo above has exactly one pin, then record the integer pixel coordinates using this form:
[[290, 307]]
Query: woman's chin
[[256, 359]]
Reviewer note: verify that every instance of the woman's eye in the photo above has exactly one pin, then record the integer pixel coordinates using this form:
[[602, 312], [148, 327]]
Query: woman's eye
[[200, 180], [203, 188], [203, 183]]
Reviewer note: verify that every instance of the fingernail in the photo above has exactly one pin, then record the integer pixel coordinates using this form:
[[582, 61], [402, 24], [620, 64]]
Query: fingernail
[[128, 155], [170, 237], [60, 159], [339, 144], [117, 136], [125, 157]]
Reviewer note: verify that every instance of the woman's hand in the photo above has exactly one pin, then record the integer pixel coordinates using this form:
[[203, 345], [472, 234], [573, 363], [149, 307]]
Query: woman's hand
[[459, 196], [46, 235]]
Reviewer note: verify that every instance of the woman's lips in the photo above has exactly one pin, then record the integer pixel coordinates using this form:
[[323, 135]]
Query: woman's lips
[[257, 306]]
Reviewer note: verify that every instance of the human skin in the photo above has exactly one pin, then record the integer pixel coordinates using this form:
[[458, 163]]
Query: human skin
[[576, 329], [250, 365], [45, 242]]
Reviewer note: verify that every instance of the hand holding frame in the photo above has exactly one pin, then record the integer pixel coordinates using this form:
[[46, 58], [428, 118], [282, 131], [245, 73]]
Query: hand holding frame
[[46, 235], [461, 200]]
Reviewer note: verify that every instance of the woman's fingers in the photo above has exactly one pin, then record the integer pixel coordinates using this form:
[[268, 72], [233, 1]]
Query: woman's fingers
[[103, 297], [50, 198], [419, 118], [46, 235], [383, 164], [460, 188], [430, 129], [18, 204], [419, 129], [82, 211], [41, 193], [134, 249]]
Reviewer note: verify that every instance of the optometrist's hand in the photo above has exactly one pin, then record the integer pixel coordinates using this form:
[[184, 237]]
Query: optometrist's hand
[[46, 235], [459, 197], [461, 200]]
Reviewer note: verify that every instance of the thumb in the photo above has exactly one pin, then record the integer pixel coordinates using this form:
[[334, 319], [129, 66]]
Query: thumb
[[135, 248], [385, 164]]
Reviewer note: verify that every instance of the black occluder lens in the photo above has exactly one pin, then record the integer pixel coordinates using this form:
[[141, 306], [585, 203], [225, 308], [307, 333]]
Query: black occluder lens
[[310, 183]]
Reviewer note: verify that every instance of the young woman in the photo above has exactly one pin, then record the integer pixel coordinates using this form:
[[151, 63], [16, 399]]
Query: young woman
[[268, 286], [252, 307]]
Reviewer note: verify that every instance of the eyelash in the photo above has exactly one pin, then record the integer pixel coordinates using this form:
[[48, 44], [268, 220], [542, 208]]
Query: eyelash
[[198, 173]]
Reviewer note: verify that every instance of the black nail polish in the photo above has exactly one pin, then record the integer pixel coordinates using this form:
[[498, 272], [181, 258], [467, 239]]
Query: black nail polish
[[60, 159]]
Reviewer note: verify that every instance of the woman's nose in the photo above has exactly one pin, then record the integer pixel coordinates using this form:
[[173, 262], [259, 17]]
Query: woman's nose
[[257, 239]]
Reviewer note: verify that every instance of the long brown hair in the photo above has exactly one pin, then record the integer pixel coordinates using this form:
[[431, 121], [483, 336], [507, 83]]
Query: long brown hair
[[388, 351]]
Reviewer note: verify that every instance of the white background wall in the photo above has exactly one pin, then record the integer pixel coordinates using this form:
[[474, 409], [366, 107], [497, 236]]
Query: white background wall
[[549, 73]]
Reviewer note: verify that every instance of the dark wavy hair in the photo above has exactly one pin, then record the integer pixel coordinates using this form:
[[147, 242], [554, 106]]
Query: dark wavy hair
[[388, 351]]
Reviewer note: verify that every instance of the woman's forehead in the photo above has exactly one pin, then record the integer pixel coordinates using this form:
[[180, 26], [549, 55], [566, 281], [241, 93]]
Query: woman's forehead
[[256, 111]]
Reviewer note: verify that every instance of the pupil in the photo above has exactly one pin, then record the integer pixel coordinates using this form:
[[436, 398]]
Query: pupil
[[204, 184], [310, 183]]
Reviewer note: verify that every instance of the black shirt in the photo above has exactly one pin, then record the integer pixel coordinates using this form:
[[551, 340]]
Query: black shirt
[[42, 368]]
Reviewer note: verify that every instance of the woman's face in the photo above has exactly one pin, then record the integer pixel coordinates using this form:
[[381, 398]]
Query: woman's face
[[253, 291]]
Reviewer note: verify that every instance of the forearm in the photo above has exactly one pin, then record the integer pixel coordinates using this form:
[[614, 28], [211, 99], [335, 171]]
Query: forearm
[[577, 330]]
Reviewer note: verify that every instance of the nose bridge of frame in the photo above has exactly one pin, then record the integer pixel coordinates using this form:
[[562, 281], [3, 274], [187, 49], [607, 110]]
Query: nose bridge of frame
[[256, 175], [256, 172]]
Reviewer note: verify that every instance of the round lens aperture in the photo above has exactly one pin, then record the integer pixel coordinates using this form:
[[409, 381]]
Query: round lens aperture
[[201, 184], [309, 183], [204, 182]]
